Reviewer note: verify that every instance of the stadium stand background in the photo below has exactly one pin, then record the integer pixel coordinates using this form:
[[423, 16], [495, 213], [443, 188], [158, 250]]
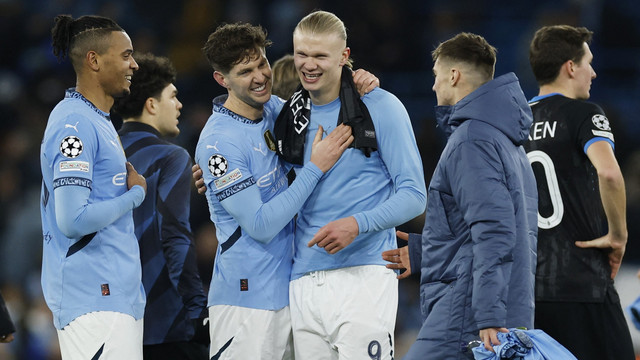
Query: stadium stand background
[[392, 39]]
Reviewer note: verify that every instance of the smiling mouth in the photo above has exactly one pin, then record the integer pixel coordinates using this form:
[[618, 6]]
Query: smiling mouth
[[260, 88], [311, 76], [128, 77]]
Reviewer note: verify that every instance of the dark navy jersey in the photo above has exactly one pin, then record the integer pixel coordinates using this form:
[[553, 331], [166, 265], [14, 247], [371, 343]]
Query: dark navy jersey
[[570, 208], [170, 277]]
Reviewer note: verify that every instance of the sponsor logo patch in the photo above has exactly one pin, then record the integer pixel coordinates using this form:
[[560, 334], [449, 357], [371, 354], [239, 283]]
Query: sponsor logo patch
[[104, 288], [217, 165], [601, 122], [228, 179], [604, 134], [71, 146], [244, 284], [66, 181], [74, 166], [270, 140], [235, 188]]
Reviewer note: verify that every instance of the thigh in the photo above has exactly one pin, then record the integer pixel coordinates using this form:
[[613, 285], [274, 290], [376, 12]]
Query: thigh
[[364, 328], [310, 340], [103, 335], [591, 331], [244, 333]]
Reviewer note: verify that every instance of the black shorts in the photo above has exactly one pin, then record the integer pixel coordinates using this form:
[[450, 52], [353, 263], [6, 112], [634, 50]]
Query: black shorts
[[591, 331], [184, 350]]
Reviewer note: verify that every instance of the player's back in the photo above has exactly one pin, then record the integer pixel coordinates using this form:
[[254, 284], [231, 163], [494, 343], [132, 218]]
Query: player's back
[[569, 200]]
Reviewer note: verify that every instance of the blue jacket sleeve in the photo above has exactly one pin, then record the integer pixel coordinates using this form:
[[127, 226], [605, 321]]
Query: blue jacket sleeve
[[262, 221], [174, 187], [415, 252], [487, 208], [76, 217], [399, 152]]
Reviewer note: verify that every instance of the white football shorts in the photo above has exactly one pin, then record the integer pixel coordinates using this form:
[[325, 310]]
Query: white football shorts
[[244, 333], [104, 335], [347, 313]]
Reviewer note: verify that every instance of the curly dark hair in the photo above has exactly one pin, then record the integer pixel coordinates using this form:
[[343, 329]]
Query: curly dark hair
[[153, 75], [231, 44], [554, 45]]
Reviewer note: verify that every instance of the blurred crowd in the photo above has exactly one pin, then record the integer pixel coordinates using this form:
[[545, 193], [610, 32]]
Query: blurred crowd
[[392, 39]]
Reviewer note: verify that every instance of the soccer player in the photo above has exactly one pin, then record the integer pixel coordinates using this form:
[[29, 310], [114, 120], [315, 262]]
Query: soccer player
[[249, 201], [582, 218], [477, 256], [343, 299], [91, 273], [176, 304]]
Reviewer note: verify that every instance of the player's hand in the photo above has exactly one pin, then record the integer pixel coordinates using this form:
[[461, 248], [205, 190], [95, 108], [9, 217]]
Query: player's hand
[[365, 81], [133, 178], [336, 235], [616, 250], [6, 338], [399, 258], [489, 337], [197, 176], [325, 152]]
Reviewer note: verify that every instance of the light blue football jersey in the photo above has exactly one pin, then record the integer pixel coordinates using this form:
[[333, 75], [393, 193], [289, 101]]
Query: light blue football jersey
[[251, 206], [99, 269]]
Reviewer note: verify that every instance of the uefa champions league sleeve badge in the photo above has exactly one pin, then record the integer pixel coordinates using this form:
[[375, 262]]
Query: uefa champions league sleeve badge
[[71, 146]]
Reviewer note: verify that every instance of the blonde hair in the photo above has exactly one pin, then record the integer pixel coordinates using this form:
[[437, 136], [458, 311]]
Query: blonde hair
[[285, 77], [323, 22]]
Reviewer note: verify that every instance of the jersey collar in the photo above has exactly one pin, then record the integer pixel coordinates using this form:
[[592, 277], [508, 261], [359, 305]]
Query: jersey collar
[[71, 93], [218, 108], [540, 97]]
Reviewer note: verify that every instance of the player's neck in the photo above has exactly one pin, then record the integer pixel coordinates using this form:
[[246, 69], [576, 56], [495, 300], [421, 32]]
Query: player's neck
[[95, 94], [556, 88], [324, 96], [243, 109]]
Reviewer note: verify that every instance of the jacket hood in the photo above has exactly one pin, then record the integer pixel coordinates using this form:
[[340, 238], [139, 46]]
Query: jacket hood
[[497, 102]]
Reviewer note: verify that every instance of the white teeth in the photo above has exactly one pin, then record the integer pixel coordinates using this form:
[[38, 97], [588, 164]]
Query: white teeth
[[260, 88], [128, 77], [311, 76]]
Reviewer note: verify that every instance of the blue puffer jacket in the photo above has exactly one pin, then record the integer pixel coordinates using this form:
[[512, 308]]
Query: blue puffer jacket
[[478, 253]]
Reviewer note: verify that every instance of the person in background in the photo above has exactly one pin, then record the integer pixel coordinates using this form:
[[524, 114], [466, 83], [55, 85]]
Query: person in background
[[175, 325], [582, 219], [285, 77], [91, 273], [477, 256]]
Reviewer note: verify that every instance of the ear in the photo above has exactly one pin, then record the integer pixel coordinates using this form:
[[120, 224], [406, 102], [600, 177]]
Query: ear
[[150, 106], [219, 77], [344, 57], [570, 68], [455, 76], [92, 60]]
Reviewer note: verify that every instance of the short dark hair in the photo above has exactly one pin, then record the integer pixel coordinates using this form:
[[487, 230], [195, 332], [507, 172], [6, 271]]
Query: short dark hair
[[72, 38], [469, 48], [153, 75], [554, 45], [231, 44]]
